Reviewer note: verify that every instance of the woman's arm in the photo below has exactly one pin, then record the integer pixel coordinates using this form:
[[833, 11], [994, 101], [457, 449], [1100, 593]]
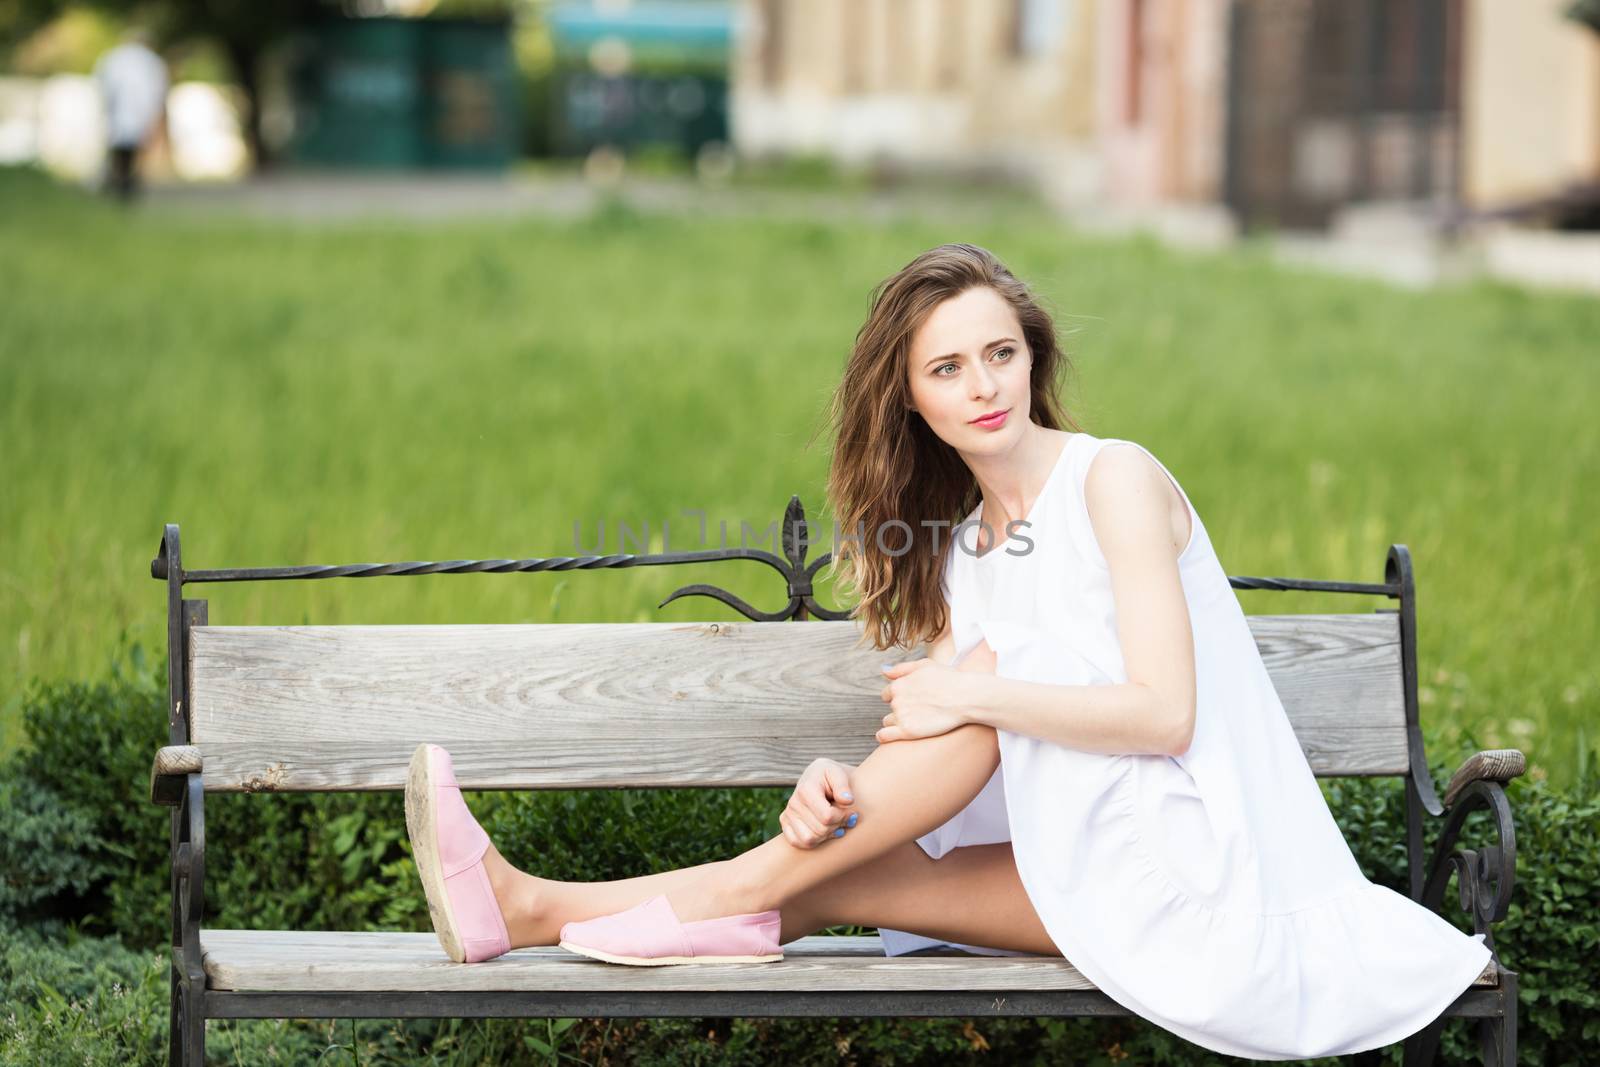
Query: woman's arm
[[1141, 524]]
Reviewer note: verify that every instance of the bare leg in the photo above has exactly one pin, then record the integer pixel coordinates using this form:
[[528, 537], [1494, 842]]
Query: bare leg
[[893, 794], [902, 790], [905, 889]]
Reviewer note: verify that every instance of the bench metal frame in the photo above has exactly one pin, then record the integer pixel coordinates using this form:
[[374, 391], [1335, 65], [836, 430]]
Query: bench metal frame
[[1485, 876]]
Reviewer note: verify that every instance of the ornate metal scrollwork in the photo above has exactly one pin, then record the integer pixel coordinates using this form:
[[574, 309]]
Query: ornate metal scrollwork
[[1485, 876], [795, 538]]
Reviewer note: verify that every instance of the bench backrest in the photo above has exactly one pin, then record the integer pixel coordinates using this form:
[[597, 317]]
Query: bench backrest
[[587, 705]]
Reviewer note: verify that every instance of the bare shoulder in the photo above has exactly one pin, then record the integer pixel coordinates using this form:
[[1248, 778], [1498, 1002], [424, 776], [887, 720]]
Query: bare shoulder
[[1131, 501], [1121, 464]]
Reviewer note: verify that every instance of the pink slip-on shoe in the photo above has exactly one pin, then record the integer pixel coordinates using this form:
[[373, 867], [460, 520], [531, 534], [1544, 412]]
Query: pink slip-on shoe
[[448, 845], [649, 935]]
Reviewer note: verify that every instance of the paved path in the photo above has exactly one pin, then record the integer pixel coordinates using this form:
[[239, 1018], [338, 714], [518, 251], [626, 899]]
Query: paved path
[[1403, 255], [308, 196]]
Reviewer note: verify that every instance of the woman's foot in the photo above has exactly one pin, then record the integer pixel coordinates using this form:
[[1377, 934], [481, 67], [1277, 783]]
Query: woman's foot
[[652, 934], [535, 909], [449, 848], [482, 906]]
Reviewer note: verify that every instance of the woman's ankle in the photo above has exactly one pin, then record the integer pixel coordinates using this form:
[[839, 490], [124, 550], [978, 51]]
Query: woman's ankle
[[753, 881], [522, 901]]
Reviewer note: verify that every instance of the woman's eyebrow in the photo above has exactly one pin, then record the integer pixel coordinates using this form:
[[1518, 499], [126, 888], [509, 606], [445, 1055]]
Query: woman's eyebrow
[[957, 355]]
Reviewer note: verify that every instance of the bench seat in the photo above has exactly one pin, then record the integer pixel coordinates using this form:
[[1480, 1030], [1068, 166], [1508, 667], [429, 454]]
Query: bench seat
[[290, 961], [302, 962]]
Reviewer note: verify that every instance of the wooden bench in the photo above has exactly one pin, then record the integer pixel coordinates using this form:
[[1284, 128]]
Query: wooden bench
[[679, 704]]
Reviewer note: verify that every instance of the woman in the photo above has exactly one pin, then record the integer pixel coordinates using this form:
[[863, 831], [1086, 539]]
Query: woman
[[1093, 748]]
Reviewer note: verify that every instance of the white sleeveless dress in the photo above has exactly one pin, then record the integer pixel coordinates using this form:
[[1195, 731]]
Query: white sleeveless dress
[[1210, 893]]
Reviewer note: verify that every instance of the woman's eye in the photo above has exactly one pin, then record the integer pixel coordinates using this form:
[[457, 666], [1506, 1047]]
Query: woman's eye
[[939, 370]]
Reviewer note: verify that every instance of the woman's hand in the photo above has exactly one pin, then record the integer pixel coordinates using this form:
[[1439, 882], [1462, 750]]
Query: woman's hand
[[930, 698], [819, 807]]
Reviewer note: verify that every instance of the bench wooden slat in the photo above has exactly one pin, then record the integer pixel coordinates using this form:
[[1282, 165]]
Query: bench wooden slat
[[520, 763], [301, 962], [657, 704], [288, 961]]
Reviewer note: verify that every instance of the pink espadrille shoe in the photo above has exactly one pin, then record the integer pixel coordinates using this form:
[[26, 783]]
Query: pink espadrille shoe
[[650, 935], [448, 845]]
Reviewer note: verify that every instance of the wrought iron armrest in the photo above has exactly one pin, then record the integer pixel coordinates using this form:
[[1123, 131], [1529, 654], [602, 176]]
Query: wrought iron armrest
[[1495, 764], [1486, 876], [173, 765]]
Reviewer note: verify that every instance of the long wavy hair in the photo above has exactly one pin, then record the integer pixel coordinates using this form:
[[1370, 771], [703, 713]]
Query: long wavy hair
[[890, 472]]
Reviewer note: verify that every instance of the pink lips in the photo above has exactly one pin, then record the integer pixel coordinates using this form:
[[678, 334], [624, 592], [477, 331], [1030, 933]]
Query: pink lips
[[993, 422]]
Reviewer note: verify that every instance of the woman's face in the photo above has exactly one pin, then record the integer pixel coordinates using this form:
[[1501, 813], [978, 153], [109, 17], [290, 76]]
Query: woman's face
[[968, 360]]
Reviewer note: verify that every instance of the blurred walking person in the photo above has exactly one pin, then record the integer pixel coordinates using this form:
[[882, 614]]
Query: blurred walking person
[[133, 82]]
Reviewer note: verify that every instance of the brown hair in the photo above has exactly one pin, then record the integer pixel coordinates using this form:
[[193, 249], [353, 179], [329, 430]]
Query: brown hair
[[889, 468]]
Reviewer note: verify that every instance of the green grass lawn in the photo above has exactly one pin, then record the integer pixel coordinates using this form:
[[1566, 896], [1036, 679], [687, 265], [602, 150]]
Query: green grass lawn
[[378, 392]]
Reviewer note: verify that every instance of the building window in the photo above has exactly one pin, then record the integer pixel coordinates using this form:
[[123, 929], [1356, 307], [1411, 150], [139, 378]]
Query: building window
[[1037, 25]]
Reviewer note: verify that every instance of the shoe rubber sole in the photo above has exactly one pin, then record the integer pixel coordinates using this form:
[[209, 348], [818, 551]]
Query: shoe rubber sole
[[657, 961], [422, 826]]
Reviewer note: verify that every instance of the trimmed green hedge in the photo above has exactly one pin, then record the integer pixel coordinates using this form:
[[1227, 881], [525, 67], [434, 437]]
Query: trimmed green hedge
[[83, 889]]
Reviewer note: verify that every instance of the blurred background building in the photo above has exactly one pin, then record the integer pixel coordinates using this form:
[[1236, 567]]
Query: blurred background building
[[1279, 112], [1007, 88], [1359, 119]]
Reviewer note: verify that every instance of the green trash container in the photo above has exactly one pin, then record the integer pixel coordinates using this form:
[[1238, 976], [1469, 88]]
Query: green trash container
[[358, 92], [470, 104], [404, 93]]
